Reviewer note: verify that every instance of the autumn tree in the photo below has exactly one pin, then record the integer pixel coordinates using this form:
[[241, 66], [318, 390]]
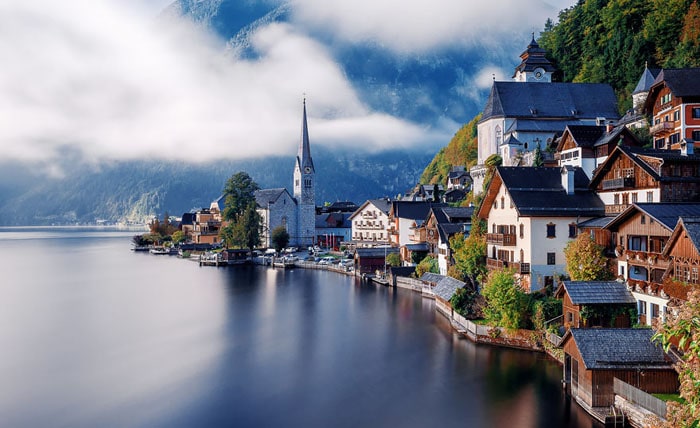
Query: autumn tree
[[683, 329], [393, 259], [469, 257], [428, 264], [585, 260]]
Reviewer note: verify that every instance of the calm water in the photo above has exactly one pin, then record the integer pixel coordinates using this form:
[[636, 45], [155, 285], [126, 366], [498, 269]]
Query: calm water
[[92, 334]]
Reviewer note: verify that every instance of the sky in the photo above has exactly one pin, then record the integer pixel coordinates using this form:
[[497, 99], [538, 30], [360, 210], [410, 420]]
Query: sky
[[105, 80]]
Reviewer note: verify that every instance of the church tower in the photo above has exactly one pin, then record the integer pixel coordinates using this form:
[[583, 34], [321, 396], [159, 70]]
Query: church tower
[[534, 66], [304, 188]]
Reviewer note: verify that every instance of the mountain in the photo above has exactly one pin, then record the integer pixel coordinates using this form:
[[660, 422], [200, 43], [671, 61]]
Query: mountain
[[134, 191]]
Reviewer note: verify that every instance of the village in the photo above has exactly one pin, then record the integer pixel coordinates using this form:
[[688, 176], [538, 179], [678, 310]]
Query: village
[[556, 163]]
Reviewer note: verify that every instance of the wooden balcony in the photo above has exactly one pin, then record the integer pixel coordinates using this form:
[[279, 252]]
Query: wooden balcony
[[662, 126], [615, 209], [495, 264], [503, 239], [618, 183]]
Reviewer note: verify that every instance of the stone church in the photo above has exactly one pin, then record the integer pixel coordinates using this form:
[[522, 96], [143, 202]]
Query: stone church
[[297, 212]]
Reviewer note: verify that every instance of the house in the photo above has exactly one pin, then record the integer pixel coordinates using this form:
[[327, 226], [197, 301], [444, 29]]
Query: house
[[406, 219], [639, 235], [444, 290], [634, 174], [531, 215], [593, 357], [596, 304], [370, 260], [533, 111], [424, 192], [333, 229], [206, 227], [634, 117], [673, 102], [588, 146], [370, 223], [443, 223], [458, 178], [683, 251], [454, 195]]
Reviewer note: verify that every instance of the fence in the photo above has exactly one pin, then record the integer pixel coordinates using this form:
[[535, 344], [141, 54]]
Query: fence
[[639, 397]]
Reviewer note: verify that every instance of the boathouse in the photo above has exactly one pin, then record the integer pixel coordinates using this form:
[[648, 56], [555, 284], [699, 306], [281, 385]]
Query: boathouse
[[596, 304]]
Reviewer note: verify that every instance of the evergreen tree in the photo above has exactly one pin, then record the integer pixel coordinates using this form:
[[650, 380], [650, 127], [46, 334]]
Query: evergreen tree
[[279, 238], [239, 193]]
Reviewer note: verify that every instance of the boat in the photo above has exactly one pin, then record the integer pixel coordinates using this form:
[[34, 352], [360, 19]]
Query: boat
[[159, 250]]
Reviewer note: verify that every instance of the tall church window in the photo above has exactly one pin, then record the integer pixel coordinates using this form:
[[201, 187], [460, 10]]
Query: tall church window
[[498, 135], [307, 182]]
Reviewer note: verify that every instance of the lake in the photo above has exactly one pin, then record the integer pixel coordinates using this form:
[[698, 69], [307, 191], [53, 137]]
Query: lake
[[92, 334]]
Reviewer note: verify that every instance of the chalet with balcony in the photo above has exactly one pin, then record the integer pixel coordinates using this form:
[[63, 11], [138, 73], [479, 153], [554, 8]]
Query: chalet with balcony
[[673, 102], [640, 234], [531, 215], [595, 304], [370, 224], [458, 178], [633, 174], [593, 357], [588, 146], [206, 227]]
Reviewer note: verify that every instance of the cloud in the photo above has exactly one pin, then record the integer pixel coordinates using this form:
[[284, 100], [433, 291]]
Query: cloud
[[101, 80], [423, 25]]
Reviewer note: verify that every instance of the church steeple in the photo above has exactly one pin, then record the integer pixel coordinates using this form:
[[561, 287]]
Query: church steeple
[[304, 160]]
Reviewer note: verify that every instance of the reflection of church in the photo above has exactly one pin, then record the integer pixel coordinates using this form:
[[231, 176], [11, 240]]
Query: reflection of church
[[530, 111], [296, 213]]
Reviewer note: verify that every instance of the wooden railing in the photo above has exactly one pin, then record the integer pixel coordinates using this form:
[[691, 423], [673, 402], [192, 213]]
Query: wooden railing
[[504, 239], [618, 183], [661, 127], [495, 264]]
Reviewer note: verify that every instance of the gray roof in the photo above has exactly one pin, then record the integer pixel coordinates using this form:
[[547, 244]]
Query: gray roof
[[683, 82], [534, 125], [598, 292], [448, 230], [585, 135], [692, 228], [647, 79], [375, 252], [421, 246], [551, 100], [539, 192], [447, 287], [665, 213], [618, 348], [431, 277], [596, 222], [265, 197], [414, 210]]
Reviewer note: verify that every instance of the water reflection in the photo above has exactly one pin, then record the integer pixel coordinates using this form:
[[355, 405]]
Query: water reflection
[[102, 336]]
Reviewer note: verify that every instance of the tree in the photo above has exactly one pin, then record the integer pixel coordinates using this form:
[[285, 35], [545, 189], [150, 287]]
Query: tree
[[538, 160], [246, 228], [393, 259], [683, 329], [506, 302], [239, 193], [585, 260], [469, 257], [280, 238], [179, 236], [227, 235], [428, 264]]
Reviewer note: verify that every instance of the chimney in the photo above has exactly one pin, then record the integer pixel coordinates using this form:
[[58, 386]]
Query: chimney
[[687, 147], [567, 179], [609, 128]]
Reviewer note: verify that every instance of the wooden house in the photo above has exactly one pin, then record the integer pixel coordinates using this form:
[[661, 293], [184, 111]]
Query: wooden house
[[633, 174], [595, 304], [593, 357], [683, 251], [640, 234], [370, 260], [443, 223]]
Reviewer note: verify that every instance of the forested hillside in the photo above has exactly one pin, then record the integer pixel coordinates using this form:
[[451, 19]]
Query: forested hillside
[[607, 41]]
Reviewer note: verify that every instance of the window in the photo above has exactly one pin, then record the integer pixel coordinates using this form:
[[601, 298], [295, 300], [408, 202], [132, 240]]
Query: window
[[696, 112], [634, 197], [616, 199], [673, 139], [307, 183], [696, 135], [522, 231], [654, 310], [643, 219], [625, 199], [572, 230], [551, 230], [659, 143], [551, 258], [650, 196], [503, 201], [570, 316], [676, 115], [498, 135]]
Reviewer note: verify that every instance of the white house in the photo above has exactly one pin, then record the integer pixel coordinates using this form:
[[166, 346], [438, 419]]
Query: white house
[[370, 224]]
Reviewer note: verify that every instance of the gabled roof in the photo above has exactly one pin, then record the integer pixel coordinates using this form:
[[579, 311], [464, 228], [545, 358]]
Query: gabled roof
[[617, 348], [596, 292], [665, 214], [383, 205], [512, 141], [264, 197], [447, 230], [447, 287], [375, 252], [584, 135], [431, 277], [598, 222], [538, 192], [691, 225], [534, 100], [683, 82], [640, 157], [458, 214]]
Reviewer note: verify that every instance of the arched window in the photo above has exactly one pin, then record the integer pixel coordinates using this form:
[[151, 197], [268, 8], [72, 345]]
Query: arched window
[[498, 135]]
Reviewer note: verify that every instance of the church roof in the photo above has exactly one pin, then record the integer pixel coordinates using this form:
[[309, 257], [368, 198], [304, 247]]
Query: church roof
[[533, 57], [265, 197], [572, 101]]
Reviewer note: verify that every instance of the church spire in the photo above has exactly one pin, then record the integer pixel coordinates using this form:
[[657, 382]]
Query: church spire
[[304, 155]]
